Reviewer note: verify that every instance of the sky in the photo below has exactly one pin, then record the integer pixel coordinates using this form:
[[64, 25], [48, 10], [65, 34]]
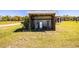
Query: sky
[[25, 12], [68, 12], [13, 12]]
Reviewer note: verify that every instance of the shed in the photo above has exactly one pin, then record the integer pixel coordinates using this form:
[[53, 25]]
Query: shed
[[42, 21]]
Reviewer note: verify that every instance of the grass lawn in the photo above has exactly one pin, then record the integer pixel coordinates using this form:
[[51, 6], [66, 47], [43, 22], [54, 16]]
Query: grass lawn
[[66, 35], [8, 22]]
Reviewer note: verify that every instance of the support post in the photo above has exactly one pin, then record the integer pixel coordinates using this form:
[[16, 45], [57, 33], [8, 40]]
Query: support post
[[53, 23]]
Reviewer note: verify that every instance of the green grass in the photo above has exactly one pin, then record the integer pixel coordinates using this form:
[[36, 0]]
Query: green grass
[[8, 22], [66, 35], [6, 34]]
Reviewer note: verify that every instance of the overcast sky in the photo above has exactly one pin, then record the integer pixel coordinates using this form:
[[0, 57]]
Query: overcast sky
[[25, 12]]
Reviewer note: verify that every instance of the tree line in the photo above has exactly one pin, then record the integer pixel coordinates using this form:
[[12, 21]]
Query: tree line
[[66, 18], [13, 18], [21, 18]]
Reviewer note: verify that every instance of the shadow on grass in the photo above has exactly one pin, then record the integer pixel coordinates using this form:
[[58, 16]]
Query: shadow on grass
[[26, 30], [19, 30]]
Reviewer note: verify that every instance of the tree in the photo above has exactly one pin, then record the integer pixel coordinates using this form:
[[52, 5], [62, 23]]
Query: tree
[[26, 22], [17, 18], [5, 18]]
